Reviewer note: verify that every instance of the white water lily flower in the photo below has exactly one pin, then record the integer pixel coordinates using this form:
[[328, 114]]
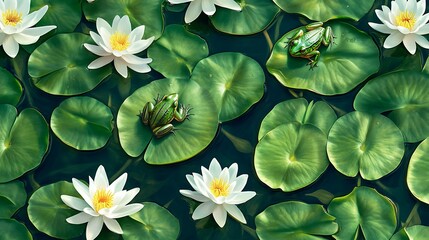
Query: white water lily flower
[[101, 203], [118, 43], [90, 1], [405, 23], [207, 6], [219, 190], [16, 25]]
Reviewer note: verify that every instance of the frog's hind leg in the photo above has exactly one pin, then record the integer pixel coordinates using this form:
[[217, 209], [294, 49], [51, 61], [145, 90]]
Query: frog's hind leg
[[182, 113], [314, 25], [328, 37], [145, 113], [164, 130], [313, 62]]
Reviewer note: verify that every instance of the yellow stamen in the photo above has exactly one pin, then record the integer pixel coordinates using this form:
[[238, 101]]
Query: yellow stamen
[[11, 17], [219, 187], [102, 199], [119, 41], [406, 19]]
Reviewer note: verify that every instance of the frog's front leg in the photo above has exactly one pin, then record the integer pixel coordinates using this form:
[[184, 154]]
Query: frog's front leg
[[328, 37], [294, 37], [313, 62], [145, 113], [313, 26], [163, 130], [182, 113]]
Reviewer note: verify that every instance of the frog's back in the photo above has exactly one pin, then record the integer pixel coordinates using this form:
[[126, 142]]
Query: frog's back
[[313, 36]]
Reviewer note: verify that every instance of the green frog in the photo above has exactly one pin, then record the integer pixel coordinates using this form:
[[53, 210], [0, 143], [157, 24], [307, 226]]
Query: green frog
[[160, 115], [304, 44]]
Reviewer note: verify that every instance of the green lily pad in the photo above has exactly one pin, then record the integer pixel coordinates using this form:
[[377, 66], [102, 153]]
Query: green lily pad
[[417, 232], [291, 156], [59, 65], [12, 197], [342, 66], [24, 139], [48, 213], [192, 135], [402, 94], [152, 222], [369, 144], [365, 211], [10, 90], [254, 17], [140, 12], [64, 14], [177, 60], [318, 114], [14, 230], [235, 82], [321, 10], [295, 220], [418, 168], [83, 123]]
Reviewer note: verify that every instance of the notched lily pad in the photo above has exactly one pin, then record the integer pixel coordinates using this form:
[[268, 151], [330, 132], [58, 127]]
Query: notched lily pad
[[318, 114], [295, 220], [177, 60], [48, 213], [14, 230], [12, 197], [369, 144], [152, 222], [363, 211], [64, 14], [24, 140], [291, 156], [59, 65], [10, 90], [403, 95], [341, 67], [83, 123], [234, 81], [254, 17], [191, 136], [321, 10], [416, 232], [418, 168]]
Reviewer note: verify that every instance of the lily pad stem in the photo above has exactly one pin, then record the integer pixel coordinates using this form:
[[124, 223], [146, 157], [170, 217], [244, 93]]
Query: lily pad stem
[[19, 73], [359, 181], [33, 183], [121, 170], [277, 27], [250, 230], [295, 94], [340, 112], [269, 42], [412, 214]]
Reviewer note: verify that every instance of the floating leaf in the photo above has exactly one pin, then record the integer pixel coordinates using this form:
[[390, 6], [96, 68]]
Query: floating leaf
[[24, 141], [242, 145], [64, 14], [234, 81], [152, 222], [318, 114], [416, 232], [365, 211], [12, 198], [83, 123], [321, 10], [322, 195], [291, 156], [295, 220], [59, 65], [191, 136], [14, 230], [418, 168], [255, 16], [403, 94], [369, 144], [140, 12], [342, 66], [177, 60], [10, 90], [48, 213]]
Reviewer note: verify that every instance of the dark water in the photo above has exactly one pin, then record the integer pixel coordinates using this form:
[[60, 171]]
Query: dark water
[[161, 184]]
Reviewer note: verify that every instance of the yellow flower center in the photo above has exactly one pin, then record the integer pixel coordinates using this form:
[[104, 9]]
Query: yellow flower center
[[219, 187], [119, 41], [406, 19], [102, 199], [11, 17]]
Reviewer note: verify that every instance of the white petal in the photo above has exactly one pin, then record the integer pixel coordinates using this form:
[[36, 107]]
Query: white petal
[[235, 212], [215, 168], [423, 30], [100, 179], [24, 7], [410, 43], [230, 4], [92, 188], [33, 18], [136, 34], [105, 36], [403, 30], [179, 1], [194, 10], [124, 25], [74, 202], [208, 8], [115, 23], [103, 24], [207, 176], [94, 227], [240, 198], [11, 47], [203, 210], [97, 38], [38, 31], [381, 16], [3, 37], [79, 218], [422, 41], [24, 39], [113, 225], [120, 212], [421, 22], [401, 3], [219, 214], [395, 10], [393, 40], [224, 175], [140, 45], [97, 50], [132, 59], [381, 28], [83, 191], [411, 6], [233, 170], [2, 8], [421, 7], [140, 68], [121, 67], [240, 183], [191, 181], [100, 62], [202, 188], [129, 195], [91, 212], [118, 184], [194, 195], [10, 4]]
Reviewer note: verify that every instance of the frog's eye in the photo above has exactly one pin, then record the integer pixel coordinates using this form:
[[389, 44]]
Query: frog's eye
[[294, 42]]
